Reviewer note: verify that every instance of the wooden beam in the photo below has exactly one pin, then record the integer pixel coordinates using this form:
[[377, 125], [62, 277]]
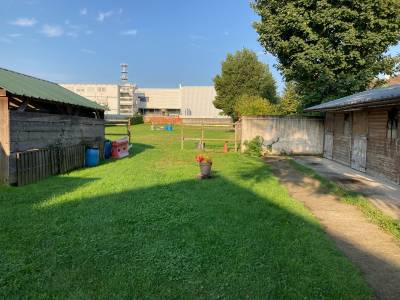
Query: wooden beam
[[23, 106], [3, 93], [4, 140]]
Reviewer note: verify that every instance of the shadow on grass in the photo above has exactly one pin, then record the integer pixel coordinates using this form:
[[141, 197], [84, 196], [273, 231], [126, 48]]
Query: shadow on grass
[[191, 239]]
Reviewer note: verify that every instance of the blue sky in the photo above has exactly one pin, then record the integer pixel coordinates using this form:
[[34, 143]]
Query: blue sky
[[164, 42]]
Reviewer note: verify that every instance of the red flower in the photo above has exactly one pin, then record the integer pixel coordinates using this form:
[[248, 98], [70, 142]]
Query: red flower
[[201, 158]]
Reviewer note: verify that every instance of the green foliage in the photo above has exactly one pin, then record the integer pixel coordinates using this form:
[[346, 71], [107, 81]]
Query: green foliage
[[290, 103], [242, 73], [254, 147], [254, 106], [330, 48], [137, 119]]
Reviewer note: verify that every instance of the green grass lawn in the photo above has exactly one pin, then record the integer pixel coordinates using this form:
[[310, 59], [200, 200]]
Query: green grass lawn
[[145, 227]]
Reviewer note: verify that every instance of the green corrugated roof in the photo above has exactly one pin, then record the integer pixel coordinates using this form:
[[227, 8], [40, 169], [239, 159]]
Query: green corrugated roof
[[24, 85]]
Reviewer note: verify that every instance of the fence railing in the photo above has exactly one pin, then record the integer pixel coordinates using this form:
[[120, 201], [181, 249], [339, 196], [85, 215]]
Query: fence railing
[[34, 165]]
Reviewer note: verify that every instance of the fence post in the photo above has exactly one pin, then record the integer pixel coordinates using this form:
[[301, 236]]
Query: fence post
[[129, 130], [202, 136], [182, 138], [235, 126]]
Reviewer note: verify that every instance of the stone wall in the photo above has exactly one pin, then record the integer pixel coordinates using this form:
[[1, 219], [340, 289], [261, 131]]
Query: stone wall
[[285, 135]]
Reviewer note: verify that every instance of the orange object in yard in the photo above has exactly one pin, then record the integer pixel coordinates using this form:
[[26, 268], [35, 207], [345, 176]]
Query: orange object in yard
[[226, 150], [120, 148]]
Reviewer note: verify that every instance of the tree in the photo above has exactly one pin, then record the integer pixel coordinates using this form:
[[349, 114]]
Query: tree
[[254, 106], [331, 48], [290, 103], [242, 73]]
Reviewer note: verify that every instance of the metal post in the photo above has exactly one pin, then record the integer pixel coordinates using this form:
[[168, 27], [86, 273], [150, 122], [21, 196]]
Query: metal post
[[202, 136], [182, 138], [129, 130], [235, 126]]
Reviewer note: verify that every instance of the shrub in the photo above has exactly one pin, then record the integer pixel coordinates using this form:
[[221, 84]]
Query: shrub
[[254, 106], [254, 147], [137, 119]]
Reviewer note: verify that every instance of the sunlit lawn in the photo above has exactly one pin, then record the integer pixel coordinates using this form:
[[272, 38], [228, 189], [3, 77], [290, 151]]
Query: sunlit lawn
[[146, 227]]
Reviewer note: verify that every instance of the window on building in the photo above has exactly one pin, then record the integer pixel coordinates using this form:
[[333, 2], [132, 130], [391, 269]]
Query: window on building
[[173, 112], [392, 124], [80, 90], [143, 99]]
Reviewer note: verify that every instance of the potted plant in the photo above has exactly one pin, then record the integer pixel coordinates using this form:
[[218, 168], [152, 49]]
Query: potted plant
[[205, 163]]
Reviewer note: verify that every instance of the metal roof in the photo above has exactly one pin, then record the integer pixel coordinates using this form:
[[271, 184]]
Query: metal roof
[[376, 97], [24, 85]]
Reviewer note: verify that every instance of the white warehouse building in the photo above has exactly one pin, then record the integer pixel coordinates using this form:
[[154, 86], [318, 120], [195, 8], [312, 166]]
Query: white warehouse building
[[185, 101], [118, 99], [126, 100]]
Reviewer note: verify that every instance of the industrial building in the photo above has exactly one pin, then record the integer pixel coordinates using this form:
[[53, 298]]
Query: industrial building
[[185, 101], [117, 99], [125, 99]]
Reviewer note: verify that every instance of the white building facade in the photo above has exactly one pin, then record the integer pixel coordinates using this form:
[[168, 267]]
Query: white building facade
[[125, 100], [118, 99], [185, 101]]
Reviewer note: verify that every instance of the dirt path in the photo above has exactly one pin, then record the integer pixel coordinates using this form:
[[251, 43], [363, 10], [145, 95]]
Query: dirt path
[[375, 252]]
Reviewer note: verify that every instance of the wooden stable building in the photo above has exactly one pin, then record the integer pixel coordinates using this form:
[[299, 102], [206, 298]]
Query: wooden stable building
[[44, 128], [362, 131]]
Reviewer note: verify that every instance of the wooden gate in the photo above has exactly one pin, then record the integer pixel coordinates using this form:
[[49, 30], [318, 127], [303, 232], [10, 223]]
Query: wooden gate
[[359, 141]]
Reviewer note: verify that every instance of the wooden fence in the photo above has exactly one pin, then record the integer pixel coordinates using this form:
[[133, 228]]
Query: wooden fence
[[34, 165]]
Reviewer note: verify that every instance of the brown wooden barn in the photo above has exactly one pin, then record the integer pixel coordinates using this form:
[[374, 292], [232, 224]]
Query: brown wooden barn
[[44, 128], [362, 131]]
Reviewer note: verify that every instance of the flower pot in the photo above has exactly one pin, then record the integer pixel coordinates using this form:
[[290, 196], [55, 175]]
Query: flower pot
[[205, 169]]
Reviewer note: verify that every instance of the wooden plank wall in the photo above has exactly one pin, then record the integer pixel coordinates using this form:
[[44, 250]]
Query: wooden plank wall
[[35, 165], [328, 138], [383, 154], [4, 138], [30, 131], [342, 139]]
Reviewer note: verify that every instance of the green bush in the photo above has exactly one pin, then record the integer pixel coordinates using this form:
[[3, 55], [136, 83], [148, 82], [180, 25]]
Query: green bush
[[254, 147], [254, 106], [137, 119]]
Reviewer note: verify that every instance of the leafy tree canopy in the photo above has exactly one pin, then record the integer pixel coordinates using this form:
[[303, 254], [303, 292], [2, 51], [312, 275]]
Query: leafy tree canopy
[[331, 48], [242, 73], [254, 106], [290, 103]]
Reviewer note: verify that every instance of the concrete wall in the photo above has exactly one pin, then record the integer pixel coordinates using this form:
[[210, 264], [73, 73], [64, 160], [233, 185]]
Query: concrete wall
[[291, 135]]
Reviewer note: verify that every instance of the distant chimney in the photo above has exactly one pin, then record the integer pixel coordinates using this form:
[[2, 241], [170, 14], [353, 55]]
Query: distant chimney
[[124, 73]]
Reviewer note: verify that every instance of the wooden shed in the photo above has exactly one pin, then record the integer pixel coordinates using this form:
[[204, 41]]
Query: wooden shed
[[362, 131], [44, 128]]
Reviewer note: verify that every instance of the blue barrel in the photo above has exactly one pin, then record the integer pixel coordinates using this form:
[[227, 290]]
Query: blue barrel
[[107, 149], [168, 127], [92, 157]]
